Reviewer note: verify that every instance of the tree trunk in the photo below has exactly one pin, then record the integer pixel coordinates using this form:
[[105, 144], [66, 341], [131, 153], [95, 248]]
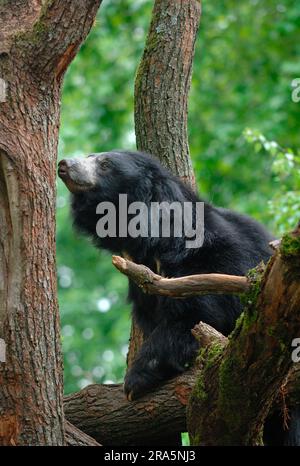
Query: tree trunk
[[163, 82], [38, 41], [161, 95], [240, 381]]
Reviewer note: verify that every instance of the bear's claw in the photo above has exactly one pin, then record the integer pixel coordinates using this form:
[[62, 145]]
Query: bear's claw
[[136, 385]]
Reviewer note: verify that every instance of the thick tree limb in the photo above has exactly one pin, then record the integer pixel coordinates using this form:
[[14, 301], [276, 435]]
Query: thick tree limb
[[104, 413], [182, 287], [238, 384]]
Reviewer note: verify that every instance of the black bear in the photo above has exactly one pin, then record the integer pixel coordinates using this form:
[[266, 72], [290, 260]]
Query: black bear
[[232, 244]]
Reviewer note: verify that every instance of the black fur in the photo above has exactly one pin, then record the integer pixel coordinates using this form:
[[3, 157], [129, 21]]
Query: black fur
[[233, 244]]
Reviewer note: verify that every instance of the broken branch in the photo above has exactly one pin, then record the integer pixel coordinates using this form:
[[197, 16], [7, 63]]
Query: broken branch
[[183, 287]]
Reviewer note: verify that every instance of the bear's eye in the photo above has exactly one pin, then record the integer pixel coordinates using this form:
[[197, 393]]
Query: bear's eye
[[104, 164]]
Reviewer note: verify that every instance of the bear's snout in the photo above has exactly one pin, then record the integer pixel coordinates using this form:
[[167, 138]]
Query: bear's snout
[[63, 169], [64, 166], [78, 174]]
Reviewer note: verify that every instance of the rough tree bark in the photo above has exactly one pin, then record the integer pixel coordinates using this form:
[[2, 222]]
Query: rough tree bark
[[38, 40], [75, 437], [238, 385], [103, 412], [163, 82]]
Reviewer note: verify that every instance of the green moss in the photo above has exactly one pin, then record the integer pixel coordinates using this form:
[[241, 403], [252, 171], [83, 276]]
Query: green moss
[[249, 300], [199, 388], [255, 278], [201, 355], [39, 28], [153, 41], [32, 37], [205, 359], [206, 356], [251, 316], [212, 353], [271, 331], [248, 318], [238, 327], [290, 246], [230, 391], [232, 398]]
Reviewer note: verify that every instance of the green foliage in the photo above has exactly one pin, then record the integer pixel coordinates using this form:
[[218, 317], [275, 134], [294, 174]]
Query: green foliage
[[245, 60], [244, 64], [284, 206]]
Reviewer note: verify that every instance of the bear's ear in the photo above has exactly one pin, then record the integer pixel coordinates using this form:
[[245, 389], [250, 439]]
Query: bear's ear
[[144, 190]]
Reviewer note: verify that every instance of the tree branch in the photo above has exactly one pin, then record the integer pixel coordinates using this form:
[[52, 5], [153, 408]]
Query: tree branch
[[104, 413], [208, 336], [75, 437], [182, 287]]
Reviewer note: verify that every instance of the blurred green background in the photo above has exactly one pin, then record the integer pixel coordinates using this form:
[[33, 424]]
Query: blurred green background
[[244, 134]]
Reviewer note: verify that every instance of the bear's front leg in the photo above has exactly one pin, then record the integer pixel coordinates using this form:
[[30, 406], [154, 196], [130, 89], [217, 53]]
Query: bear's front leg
[[167, 352]]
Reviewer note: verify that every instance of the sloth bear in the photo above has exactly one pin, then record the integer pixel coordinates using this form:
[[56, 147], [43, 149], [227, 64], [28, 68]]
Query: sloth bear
[[232, 244]]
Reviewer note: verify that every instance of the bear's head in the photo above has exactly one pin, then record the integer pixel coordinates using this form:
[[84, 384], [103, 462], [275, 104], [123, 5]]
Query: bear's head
[[107, 173], [101, 178]]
